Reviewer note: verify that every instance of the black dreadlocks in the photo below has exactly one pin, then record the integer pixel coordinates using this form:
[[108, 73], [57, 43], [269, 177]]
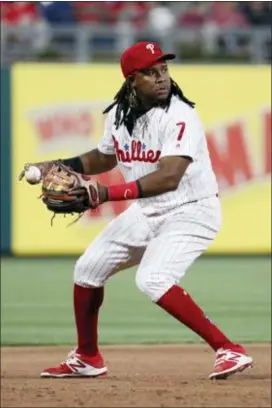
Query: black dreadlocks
[[127, 101]]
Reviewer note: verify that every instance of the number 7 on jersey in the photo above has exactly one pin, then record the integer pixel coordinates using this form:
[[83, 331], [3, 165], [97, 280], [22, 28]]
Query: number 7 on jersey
[[181, 130]]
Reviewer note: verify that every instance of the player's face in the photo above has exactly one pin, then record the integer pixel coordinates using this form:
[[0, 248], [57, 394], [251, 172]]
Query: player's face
[[153, 84]]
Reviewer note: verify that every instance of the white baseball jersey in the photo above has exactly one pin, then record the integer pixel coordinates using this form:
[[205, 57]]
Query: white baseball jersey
[[160, 133], [164, 234]]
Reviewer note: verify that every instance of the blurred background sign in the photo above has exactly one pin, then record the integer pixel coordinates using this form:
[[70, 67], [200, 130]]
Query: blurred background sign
[[57, 112]]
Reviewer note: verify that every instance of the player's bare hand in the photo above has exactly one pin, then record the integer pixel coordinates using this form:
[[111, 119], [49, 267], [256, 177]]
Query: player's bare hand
[[43, 166]]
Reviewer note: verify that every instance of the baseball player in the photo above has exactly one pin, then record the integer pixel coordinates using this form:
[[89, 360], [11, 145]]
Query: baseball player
[[155, 137]]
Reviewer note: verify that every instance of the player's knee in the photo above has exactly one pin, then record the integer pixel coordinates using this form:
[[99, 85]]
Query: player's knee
[[84, 272], [152, 284]]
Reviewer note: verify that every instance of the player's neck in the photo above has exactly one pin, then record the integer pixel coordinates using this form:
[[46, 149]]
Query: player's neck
[[145, 104]]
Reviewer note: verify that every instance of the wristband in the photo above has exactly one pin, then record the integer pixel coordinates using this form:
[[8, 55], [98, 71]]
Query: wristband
[[75, 163], [127, 191]]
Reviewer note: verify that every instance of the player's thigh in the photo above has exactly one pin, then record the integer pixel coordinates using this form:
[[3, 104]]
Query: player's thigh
[[120, 245], [182, 239]]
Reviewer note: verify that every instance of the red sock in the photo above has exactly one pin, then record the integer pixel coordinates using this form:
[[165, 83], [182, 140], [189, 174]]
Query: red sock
[[87, 302], [180, 305]]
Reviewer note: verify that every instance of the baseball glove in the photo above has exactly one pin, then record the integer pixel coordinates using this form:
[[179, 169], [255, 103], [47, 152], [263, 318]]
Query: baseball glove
[[66, 192]]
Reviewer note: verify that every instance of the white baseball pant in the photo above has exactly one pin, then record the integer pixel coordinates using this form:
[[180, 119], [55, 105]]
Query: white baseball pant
[[164, 246]]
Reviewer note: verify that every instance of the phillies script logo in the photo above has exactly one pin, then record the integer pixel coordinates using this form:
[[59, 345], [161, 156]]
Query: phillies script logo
[[137, 151]]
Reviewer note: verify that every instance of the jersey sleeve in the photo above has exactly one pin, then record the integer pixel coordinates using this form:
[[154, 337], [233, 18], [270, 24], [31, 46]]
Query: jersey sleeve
[[106, 144], [182, 135]]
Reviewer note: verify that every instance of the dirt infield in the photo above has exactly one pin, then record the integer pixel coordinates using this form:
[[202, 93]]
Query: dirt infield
[[144, 376]]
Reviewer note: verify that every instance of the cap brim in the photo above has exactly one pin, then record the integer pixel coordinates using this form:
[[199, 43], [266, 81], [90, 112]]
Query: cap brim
[[166, 57]]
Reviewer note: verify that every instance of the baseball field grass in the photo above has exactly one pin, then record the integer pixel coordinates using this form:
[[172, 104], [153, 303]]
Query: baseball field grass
[[36, 303]]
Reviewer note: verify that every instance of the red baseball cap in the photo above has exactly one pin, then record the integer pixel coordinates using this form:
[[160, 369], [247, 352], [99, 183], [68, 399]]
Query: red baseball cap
[[142, 55]]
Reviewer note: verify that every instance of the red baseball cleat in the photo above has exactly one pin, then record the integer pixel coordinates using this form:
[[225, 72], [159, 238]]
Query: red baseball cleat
[[77, 366], [230, 361]]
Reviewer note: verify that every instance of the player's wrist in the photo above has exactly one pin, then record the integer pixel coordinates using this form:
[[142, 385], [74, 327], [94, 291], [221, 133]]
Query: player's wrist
[[126, 191], [102, 193], [75, 163]]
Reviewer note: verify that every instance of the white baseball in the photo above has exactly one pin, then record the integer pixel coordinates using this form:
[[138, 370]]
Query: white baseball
[[33, 174]]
